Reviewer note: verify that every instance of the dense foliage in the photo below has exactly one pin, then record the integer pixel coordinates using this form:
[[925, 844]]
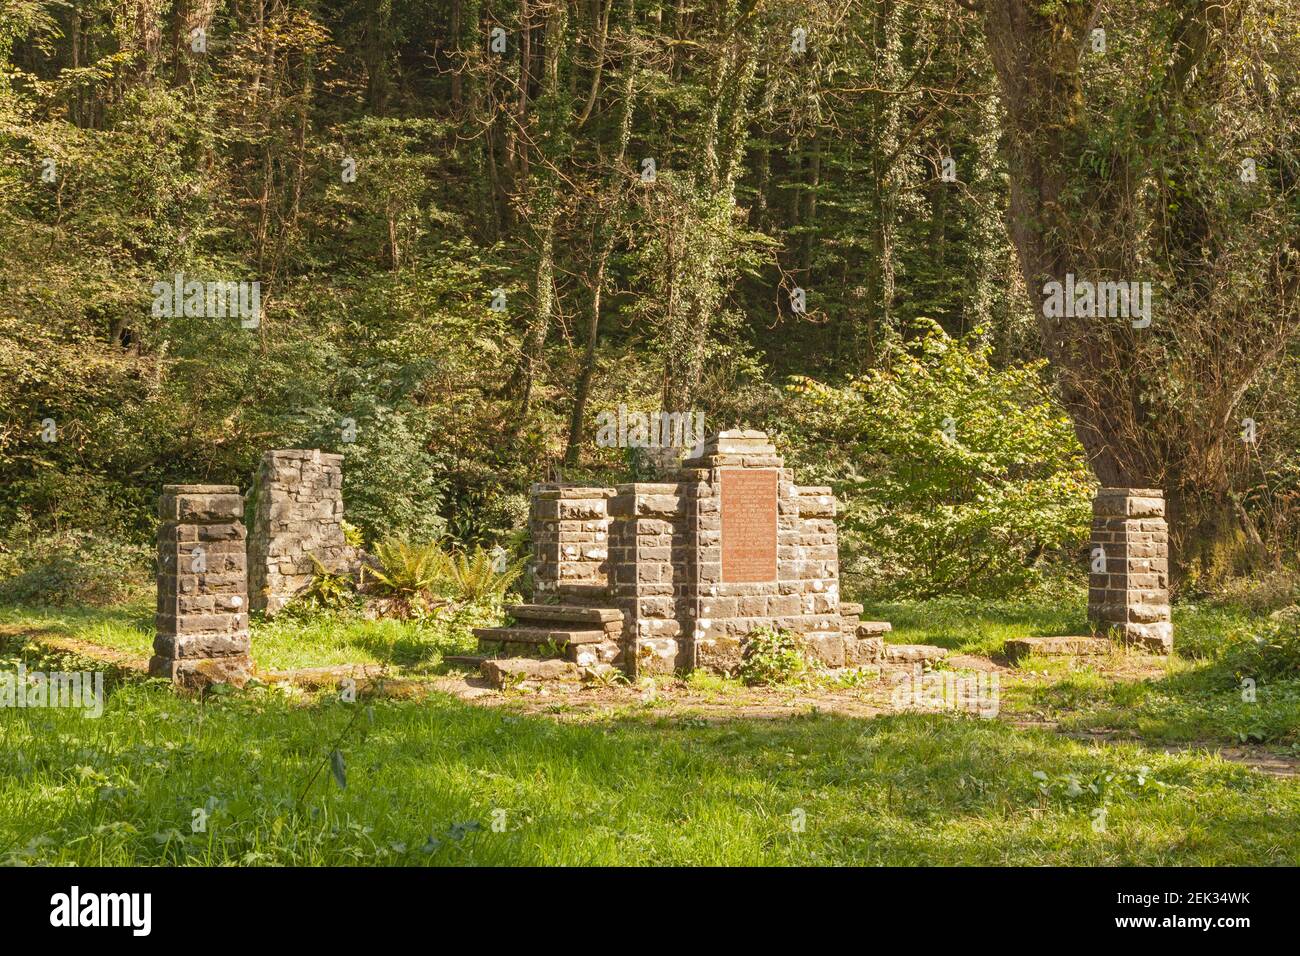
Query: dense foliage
[[467, 249], [957, 476]]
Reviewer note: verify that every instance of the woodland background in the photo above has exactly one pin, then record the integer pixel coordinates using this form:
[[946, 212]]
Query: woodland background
[[963, 433]]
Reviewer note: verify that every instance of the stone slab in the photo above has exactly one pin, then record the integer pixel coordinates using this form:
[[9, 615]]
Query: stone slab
[[913, 653], [502, 671], [1060, 646]]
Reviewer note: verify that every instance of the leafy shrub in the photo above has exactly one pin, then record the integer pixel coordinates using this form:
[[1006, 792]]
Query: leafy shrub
[[389, 476], [352, 535], [955, 475], [389, 480], [73, 568], [772, 656], [1272, 654]]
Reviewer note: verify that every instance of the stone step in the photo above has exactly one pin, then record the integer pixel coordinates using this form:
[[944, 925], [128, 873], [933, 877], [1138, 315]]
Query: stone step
[[505, 671], [848, 610], [539, 635], [565, 613], [1060, 646], [875, 629], [914, 653]]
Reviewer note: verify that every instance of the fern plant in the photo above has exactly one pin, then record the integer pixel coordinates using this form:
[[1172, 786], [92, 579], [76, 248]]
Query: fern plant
[[476, 578], [407, 570], [327, 591]]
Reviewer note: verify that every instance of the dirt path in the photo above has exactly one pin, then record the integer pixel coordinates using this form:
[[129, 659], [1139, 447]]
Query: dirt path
[[672, 698]]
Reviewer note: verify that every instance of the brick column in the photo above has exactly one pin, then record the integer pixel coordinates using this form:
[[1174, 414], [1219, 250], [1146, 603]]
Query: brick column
[[1128, 583], [570, 531], [297, 515], [650, 558], [202, 619]]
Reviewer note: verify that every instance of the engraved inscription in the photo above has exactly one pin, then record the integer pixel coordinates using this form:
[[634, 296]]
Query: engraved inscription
[[749, 525]]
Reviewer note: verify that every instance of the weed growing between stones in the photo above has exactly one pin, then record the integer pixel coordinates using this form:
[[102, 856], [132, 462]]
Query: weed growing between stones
[[772, 656]]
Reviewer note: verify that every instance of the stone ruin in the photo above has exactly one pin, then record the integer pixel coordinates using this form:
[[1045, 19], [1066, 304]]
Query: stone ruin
[[648, 577], [202, 618], [1128, 583], [206, 562], [668, 576], [671, 575], [297, 516]]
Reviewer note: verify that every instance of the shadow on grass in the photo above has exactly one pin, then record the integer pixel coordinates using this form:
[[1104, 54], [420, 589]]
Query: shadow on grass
[[975, 625], [408, 648], [904, 790], [1202, 704], [73, 621]]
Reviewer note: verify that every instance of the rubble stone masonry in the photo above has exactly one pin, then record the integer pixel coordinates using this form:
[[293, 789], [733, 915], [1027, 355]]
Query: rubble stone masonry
[[202, 618], [297, 516], [1128, 583]]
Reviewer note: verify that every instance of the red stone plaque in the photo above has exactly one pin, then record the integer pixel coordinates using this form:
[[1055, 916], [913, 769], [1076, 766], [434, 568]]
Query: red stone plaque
[[749, 525]]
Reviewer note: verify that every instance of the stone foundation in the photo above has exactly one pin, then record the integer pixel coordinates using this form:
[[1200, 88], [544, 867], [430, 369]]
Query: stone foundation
[[202, 617], [1128, 583], [722, 546], [298, 515]]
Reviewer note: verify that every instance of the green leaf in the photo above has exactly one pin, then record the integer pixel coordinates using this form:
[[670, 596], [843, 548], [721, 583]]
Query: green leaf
[[340, 770]]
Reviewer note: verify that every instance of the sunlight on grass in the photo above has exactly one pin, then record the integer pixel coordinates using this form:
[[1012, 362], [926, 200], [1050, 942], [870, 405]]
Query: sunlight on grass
[[125, 627], [280, 644], [975, 625], [426, 780]]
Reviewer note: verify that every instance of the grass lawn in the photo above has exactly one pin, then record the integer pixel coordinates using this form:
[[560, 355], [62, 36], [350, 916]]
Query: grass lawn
[[280, 644], [427, 778], [979, 626]]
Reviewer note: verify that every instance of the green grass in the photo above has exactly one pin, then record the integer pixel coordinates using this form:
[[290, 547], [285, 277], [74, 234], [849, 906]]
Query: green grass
[[1193, 702], [982, 626], [124, 627], [976, 625], [283, 643], [896, 790], [634, 786]]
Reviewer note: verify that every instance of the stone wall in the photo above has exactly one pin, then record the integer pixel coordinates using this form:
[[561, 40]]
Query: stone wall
[[722, 546], [650, 573], [298, 515], [570, 530], [1128, 583], [797, 589], [202, 615]]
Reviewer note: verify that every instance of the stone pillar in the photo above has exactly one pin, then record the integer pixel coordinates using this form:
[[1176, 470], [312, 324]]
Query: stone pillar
[[650, 566], [570, 531], [202, 619], [1128, 584], [765, 553], [297, 516]]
